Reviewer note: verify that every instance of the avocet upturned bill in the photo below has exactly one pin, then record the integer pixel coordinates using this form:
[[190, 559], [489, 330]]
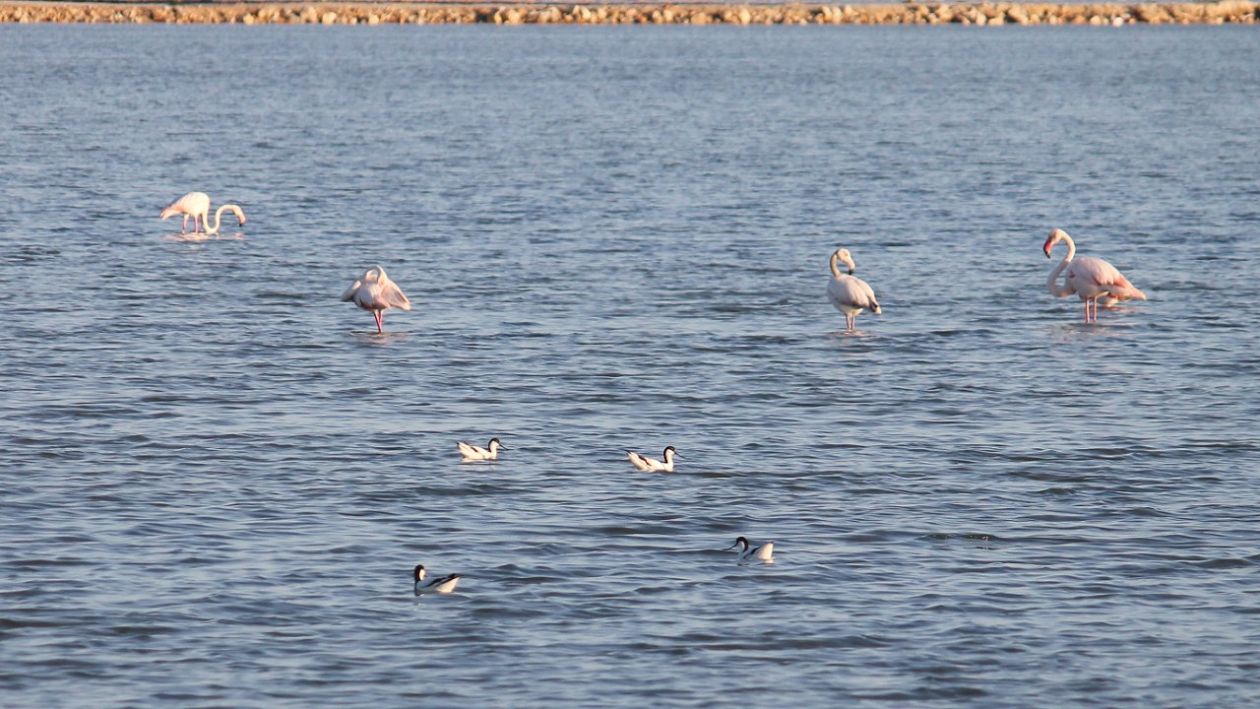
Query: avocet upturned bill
[[652, 465], [440, 584], [747, 551], [471, 453]]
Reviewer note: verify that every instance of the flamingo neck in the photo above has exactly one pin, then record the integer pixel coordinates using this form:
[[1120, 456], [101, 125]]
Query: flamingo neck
[[835, 272], [1054, 275], [218, 218]]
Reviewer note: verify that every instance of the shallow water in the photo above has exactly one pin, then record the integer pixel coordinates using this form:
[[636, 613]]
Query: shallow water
[[219, 477]]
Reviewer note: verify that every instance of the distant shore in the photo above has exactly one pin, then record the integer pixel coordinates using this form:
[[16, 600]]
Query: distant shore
[[912, 13]]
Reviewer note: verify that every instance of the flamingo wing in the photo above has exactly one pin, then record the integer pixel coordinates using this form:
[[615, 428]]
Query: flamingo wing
[[352, 291], [391, 296], [871, 303], [191, 203], [848, 293], [1091, 276]]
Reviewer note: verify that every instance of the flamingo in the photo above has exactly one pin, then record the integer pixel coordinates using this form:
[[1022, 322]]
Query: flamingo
[[374, 291], [197, 206], [1090, 278], [850, 294]]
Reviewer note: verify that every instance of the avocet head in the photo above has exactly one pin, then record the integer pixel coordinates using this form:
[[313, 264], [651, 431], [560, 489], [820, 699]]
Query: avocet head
[[670, 452], [843, 256], [495, 444], [418, 573], [741, 542], [1056, 235]]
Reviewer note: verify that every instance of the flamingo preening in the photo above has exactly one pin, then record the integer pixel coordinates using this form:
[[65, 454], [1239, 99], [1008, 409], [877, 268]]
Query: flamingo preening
[[850, 294], [197, 206], [374, 291], [1091, 279]]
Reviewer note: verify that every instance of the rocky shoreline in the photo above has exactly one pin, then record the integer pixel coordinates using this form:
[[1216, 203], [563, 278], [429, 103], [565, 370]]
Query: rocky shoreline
[[911, 13]]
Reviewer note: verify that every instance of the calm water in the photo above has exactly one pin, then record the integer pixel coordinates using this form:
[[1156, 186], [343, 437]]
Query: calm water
[[217, 477]]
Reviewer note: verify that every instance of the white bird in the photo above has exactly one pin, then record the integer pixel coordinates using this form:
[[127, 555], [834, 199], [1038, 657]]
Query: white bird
[[374, 291], [1090, 278], [652, 465], [440, 584], [197, 206], [849, 293], [469, 452], [747, 551]]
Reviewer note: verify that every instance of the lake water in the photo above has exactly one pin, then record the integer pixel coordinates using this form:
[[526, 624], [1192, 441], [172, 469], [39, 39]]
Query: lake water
[[217, 477]]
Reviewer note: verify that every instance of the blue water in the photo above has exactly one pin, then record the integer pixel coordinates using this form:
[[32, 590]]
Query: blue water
[[217, 477]]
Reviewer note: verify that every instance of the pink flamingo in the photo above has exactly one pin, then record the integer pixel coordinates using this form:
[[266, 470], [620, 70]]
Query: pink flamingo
[[197, 206], [1090, 278], [850, 294], [374, 291]]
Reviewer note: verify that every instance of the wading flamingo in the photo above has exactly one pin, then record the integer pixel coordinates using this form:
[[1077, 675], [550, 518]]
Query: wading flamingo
[[1091, 279], [850, 294], [374, 291], [197, 206]]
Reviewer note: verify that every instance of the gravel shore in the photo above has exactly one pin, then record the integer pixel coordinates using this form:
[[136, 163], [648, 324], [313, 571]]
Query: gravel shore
[[329, 13]]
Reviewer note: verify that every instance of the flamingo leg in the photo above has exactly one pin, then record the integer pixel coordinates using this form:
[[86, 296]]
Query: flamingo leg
[[183, 229], [377, 314]]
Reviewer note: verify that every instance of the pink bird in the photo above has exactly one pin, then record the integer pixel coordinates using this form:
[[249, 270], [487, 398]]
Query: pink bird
[[374, 291], [850, 294], [197, 206], [1090, 278]]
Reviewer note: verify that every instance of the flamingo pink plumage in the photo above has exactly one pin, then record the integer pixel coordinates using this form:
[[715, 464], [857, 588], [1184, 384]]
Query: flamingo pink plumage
[[197, 206], [375, 292], [850, 294], [1090, 278]]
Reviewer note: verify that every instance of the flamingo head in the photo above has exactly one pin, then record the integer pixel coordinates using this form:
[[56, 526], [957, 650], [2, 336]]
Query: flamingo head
[[240, 215], [843, 256], [1056, 235], [169, 212], [375, 273]]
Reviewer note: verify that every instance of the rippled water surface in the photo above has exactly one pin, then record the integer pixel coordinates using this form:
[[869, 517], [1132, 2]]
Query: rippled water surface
[[217, 477]]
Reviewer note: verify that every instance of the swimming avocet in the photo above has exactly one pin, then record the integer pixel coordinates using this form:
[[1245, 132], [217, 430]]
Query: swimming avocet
[[651, 465], [441, 584], [469, 452], [747, 551]]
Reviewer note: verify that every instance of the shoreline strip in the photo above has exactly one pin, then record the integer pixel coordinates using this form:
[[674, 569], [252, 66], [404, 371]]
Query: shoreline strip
[[910, 13]]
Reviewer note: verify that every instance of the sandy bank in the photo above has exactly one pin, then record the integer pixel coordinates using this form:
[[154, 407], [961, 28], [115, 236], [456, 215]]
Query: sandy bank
[[334, 13]]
